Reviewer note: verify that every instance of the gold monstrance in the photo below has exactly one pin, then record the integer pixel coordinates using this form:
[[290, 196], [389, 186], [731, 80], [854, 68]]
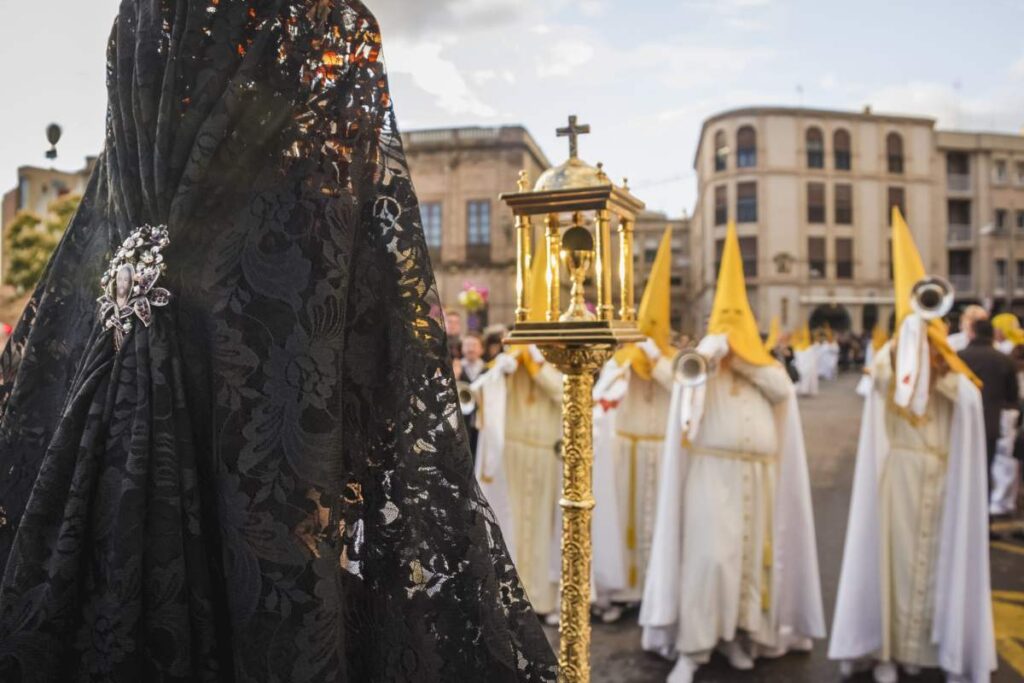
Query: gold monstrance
[[578, 206]]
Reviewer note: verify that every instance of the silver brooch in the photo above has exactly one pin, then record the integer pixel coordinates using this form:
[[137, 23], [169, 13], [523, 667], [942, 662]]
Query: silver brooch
[[129, 285]]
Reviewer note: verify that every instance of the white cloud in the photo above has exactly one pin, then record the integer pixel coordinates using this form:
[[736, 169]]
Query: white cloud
[[564, 57], [685, 65], [1017, 69], [1000, 109], [439, 77]]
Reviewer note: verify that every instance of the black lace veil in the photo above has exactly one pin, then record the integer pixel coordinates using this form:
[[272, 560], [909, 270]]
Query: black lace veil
[[270, 481]]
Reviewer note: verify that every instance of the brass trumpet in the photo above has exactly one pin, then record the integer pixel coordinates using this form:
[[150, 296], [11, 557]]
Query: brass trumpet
[[467, 398], [691, 369], [932, 297]]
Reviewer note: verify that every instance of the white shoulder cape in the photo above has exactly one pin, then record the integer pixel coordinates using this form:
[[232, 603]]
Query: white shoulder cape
[[797, 606], [962, 623]]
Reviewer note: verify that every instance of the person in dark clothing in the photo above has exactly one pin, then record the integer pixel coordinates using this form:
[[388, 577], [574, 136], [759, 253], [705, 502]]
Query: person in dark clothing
[[998, 373]]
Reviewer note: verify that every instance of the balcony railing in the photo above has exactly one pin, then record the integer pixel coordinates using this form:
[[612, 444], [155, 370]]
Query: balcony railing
[[960, 233], [962, 283], [958, 182]]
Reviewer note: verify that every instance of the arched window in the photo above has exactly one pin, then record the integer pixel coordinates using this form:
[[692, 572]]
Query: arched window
[[894, 151], [815, 148], [721, 151], [746, 147], [841, 148]]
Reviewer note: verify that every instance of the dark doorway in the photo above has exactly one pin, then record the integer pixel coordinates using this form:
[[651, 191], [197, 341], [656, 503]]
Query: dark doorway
[[832, 315]]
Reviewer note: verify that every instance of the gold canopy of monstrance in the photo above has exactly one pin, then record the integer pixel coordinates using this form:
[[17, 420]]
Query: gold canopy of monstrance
[[578, 207]]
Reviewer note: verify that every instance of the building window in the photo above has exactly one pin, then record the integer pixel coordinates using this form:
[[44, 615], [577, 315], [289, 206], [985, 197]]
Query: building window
[[841, 149], [896, 198], [1018, 282], [958, 171], [815, 202], [1020, 221], [746, 203], [1001, 274], [478, 222], [431, 214], [816, 258], [844, 204], [719, 248], [746, 147], [721, 152], [960, 270], [815, 148], [894, 152], [748, 250], [721, 205], [1020, 172], [1000, 219], [1000, 170], [959, 212], [844, 258]]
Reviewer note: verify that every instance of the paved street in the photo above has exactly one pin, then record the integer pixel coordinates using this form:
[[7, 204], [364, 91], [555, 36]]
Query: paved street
[[831, 422]]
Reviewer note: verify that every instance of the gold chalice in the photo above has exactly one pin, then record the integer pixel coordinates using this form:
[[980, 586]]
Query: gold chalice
[[578, 256]]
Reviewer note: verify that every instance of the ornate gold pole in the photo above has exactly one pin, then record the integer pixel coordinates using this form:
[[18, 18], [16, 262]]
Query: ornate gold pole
[[524, 253], [627, 308], [554, 266], [579, 365], [603, 272]]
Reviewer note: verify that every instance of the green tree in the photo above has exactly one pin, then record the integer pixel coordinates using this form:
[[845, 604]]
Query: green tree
[[31, 239]]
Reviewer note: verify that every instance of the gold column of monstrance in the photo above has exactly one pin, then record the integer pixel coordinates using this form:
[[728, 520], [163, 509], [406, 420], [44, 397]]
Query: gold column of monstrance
[[578, 341]]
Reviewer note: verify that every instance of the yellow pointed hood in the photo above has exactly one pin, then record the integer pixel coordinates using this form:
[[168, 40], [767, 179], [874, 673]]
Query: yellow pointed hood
[[773, 336], [1009, 325], [537, 300], [908, 270], [654, 317], [731, 314], [802, 338]]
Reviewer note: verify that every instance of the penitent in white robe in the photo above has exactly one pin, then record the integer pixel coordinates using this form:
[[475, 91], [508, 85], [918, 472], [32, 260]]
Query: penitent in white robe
[[806, 361], [638, 409], [914, 587], [519, 471], [734, 548]]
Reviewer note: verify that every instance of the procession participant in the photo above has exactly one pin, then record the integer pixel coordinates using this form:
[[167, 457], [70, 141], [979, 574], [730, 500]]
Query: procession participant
[[914, 589], [467, 370], [517, 464], [1008, 332], [805, 358], [972, 314], [244, 461], [635, 389], [733, 563], [828, 354]]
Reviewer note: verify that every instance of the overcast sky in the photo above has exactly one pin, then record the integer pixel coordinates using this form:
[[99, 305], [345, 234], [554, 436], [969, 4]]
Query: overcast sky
[[644, 73]]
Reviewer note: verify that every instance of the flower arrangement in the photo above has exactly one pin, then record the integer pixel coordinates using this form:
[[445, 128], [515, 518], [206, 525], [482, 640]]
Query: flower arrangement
[[473, 297]]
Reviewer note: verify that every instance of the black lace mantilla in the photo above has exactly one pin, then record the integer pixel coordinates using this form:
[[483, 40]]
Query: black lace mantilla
[[269, 480]]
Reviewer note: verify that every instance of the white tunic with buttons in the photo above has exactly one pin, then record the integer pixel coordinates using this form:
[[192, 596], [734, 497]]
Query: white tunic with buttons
[[728, 500]]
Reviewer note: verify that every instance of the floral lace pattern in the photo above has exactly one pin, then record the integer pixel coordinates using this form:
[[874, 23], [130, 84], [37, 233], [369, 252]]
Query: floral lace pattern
[[270, 481]]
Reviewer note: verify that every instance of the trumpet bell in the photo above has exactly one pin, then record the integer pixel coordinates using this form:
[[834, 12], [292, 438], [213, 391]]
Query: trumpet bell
[[467, 399], [691, 369], [932, 297]]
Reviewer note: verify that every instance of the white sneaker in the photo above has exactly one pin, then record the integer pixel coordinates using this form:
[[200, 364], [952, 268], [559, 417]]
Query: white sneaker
[[801, 645], [683, 671], [886, 672], [612, 614], [738, 659]]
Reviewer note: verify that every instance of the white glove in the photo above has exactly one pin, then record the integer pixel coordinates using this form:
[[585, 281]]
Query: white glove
[[506, 363], [714, 347], [651, 349], [536, 355]]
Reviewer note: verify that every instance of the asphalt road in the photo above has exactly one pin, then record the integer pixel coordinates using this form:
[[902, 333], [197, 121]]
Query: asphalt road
[[831, 422]]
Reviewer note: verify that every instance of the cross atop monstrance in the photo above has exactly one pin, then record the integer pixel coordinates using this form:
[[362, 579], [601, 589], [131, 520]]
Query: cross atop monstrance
[[573, 132]]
